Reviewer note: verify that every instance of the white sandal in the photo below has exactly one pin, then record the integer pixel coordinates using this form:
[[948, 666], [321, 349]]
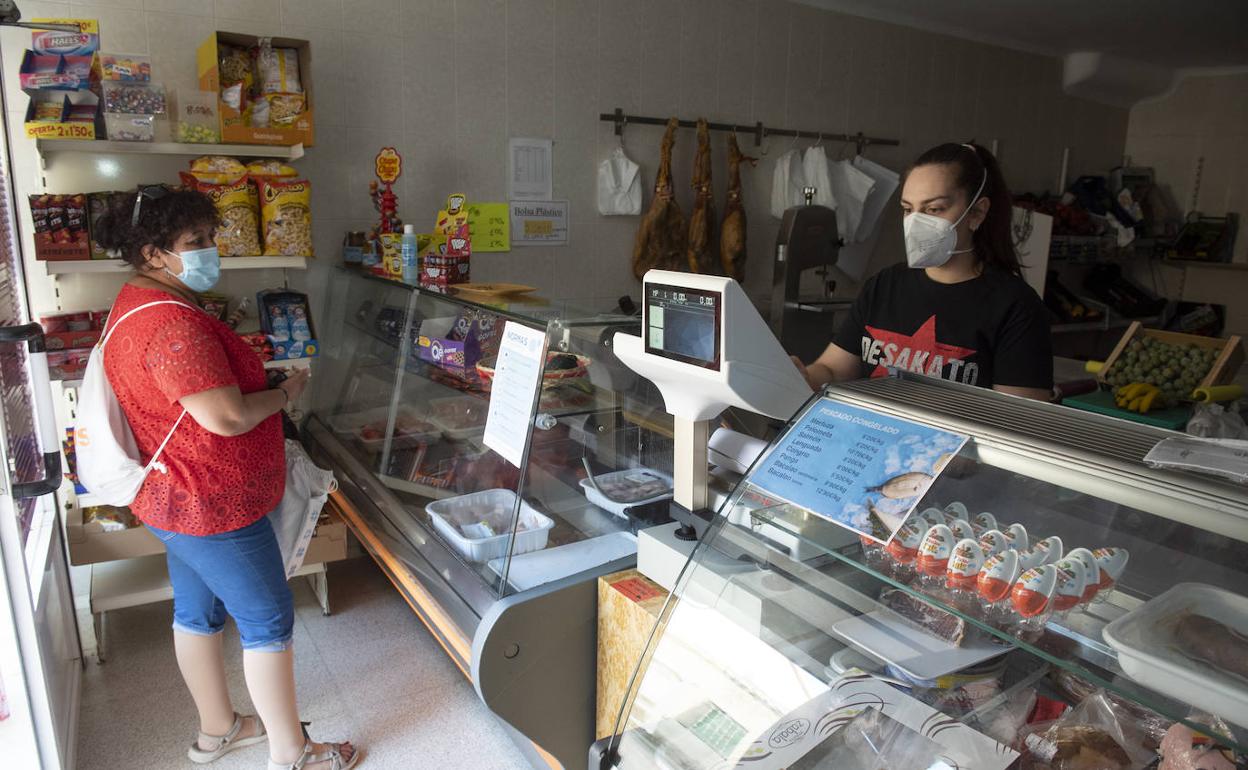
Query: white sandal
[[332, 754], [225, 743]]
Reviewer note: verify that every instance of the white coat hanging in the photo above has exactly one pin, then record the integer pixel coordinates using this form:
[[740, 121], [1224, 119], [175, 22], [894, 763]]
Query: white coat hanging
[[619, 185], [851, 187], [886, 183], [815, 169], [787, 182]]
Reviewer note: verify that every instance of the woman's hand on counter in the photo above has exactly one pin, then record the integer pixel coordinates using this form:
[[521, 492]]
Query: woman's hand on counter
[[295, 383]]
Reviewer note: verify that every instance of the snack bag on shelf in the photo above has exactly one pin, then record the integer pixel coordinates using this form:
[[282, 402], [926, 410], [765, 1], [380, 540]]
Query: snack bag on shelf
[[237, 234], [277, 69], [236, 68], [286, 208], [217, 169]]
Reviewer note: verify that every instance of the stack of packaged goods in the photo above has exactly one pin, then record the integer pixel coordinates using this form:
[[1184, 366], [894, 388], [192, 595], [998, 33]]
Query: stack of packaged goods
[[61, 74], [262, 197], [69, 338]]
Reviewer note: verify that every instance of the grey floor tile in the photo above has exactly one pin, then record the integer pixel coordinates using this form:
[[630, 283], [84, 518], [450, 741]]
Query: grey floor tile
[[369, 672]]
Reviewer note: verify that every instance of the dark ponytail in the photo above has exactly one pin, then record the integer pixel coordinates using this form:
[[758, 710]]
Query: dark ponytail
[[161, 220], [994, 240]]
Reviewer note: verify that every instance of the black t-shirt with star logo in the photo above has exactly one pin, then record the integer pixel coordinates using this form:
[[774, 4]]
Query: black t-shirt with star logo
[[990, 330]]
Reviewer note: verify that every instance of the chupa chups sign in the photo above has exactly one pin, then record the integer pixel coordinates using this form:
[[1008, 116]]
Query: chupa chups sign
[[389, 165]]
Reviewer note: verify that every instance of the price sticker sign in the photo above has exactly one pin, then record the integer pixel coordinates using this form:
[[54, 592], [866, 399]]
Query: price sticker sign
[[864, 471]]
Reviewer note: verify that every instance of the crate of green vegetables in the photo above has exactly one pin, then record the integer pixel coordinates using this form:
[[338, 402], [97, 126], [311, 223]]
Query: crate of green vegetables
[[1175, 363]]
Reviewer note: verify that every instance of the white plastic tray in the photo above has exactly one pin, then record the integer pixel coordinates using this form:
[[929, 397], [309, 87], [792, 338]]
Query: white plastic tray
[[922, 656], [446, 515], [618, 508], [458, 403], [1149, 653]]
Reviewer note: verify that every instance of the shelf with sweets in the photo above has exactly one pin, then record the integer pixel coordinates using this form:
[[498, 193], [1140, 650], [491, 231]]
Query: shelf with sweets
[[48, 146], [227, 263]]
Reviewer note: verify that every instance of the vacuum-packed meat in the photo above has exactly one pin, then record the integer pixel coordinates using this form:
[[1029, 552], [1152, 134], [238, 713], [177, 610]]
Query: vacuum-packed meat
[[1213, 643]]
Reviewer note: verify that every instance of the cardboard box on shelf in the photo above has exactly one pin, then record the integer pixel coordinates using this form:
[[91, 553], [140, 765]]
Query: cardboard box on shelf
[[68, 364], [60, 227], [234, 129]]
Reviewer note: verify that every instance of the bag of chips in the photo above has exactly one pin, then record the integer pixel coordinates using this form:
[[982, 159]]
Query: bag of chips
[[277, 69], [217, 169], [238, 233], [235, 67], [286, 210], [270, 168]]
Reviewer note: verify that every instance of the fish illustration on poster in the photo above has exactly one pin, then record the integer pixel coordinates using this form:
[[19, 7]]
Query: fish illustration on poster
[[862, 470]]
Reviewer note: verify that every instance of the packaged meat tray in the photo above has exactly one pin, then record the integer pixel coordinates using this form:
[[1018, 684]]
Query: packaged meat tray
[[1190, 643], [369, 427], [618, 491], [479, 525], [459, 417]]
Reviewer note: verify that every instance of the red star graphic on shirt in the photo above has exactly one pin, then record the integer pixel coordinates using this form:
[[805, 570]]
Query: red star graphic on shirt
[[916, 352]]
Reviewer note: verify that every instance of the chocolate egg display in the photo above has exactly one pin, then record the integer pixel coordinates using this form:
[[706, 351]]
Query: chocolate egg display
[[935, 551], [964, 565], [1031, 594], [998, 576]]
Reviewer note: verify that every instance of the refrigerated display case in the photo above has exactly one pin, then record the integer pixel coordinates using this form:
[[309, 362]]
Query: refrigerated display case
[[498, 560], [837, 653]]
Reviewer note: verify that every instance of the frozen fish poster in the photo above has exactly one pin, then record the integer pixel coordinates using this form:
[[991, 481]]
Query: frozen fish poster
[[862, 470]]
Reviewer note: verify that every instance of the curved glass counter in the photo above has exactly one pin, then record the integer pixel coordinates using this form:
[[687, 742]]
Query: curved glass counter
[[784, 626]]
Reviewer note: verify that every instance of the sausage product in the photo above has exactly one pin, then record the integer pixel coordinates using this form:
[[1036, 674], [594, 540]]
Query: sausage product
[[661, 236], [702, 221], [732, 235]]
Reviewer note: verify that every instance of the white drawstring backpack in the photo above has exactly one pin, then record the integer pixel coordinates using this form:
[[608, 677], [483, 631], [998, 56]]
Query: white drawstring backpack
[[109, 463]]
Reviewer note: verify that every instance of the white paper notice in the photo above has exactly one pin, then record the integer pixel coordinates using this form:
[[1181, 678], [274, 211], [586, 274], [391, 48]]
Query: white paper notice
[[517, 376], [539, 223], [530, 174]]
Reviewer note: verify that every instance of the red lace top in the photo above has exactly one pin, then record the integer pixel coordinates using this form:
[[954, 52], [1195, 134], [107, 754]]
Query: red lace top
[[215, 484]]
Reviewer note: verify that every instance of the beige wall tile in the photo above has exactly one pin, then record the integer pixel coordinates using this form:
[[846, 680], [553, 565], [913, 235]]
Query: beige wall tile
[[123, 29], [192, 7], [313, 13], [253, 10]]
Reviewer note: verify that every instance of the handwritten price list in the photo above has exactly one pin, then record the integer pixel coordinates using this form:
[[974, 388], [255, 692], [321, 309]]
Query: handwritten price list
[[489, 227]]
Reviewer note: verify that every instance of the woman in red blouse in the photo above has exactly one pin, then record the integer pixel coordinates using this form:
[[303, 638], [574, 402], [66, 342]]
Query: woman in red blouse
[[218, 477]]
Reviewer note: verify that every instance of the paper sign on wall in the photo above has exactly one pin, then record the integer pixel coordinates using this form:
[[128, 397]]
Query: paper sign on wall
[[530, 169], [517, 377], [535, 223], [859, 469], [488, 227]]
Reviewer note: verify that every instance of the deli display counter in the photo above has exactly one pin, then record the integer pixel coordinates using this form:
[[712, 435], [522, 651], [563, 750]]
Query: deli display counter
[[1096, 584], [499, 560]]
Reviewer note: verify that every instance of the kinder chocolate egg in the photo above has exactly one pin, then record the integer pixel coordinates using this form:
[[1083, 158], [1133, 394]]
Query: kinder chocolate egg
[[1047, 551], [1017, 534], [957, 510], [1070, 578], [1034, 589], [962, 529], [985, 521], [1091, 572], [993, 542], [932, 516], [997, 576], [904, 547], [964, 565], [935, 551], [1111, 562]]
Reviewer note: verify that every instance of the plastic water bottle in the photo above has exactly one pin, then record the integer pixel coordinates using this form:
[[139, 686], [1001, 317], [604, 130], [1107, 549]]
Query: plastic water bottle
[[410, 255]]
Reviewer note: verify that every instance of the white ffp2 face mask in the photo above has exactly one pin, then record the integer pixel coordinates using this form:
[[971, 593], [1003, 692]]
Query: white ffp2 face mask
[[930, 240]]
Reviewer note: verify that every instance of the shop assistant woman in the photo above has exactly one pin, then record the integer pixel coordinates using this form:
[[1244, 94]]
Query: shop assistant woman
[[958, 308], [224, 471]]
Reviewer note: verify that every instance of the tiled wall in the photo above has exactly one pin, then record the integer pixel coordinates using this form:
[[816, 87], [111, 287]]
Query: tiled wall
[[447, 81], [1205, 118]]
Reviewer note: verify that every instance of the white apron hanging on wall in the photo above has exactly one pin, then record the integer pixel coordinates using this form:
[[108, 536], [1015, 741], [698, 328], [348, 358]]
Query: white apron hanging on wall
[[851, 188], [619, 185], [787, 182], [815, 169]]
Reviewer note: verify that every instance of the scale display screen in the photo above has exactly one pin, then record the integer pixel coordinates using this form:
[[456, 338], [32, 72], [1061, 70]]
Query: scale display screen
[[683, 324]]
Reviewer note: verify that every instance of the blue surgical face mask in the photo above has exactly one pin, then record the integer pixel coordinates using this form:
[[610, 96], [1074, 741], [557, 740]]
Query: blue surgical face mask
[[201, 268]]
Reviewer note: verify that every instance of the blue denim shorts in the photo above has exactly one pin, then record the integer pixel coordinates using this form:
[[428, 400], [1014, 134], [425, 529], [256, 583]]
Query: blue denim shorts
[[240, 573]]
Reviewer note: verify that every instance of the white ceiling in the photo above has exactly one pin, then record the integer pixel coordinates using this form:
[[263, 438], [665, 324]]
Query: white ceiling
[[1172, 33]]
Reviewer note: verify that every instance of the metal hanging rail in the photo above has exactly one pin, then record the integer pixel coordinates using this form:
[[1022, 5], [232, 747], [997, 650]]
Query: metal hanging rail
[[759, 131]]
